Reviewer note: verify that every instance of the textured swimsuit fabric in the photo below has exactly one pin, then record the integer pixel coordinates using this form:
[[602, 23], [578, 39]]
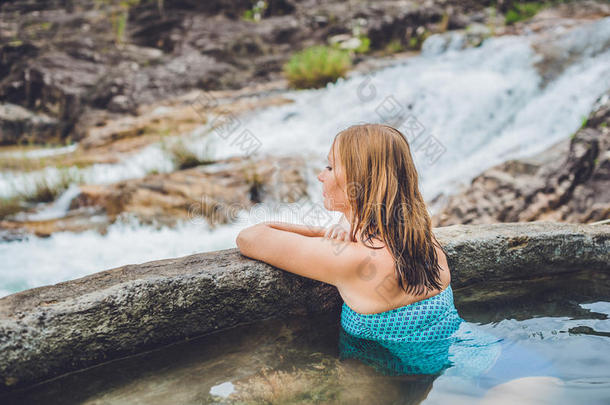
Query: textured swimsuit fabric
[[426, 337], [428, 320]]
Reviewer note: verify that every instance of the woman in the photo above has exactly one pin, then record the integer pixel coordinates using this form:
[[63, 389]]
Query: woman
[[390, 271], [398, 313]]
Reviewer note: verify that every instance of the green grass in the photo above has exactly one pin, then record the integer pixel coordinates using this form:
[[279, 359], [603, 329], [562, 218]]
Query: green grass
[[415, 42], [316, 66], [183, 157], [394, 46], [254, 180], [10, 206], [522, 11], [365, 44], [584, 122], [256, 12], [44, 191], [118, 14]]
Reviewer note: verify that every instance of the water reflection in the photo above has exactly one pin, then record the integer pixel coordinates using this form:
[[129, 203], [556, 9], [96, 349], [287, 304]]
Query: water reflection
[[396, 358], [476, 358]]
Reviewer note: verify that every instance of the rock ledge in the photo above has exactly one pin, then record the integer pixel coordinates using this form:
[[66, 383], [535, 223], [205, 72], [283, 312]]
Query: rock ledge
[[55, 329]]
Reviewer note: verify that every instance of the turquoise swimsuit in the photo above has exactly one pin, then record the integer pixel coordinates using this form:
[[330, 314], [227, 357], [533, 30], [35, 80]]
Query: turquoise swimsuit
[[414, 339], [432, 319]]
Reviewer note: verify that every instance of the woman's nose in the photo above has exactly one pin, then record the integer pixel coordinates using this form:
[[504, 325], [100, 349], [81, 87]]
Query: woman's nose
[[320, 176]]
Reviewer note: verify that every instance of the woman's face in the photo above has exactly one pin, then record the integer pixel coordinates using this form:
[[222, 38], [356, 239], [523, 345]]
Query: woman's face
[[333, 185]]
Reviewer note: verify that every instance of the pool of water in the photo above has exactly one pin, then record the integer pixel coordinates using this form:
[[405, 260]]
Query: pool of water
[[525, 341]]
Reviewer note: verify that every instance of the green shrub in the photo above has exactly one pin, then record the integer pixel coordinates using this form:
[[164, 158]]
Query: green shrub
[[316, 66], [523, 11]]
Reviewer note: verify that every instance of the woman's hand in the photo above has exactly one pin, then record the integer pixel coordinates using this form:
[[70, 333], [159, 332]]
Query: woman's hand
[[339, 231]]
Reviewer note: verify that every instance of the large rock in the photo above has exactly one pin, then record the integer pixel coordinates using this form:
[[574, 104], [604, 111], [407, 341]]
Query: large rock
[[19, 125], [51, 330]]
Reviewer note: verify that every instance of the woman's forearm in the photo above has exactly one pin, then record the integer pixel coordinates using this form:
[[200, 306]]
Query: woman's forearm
[[306, 230]]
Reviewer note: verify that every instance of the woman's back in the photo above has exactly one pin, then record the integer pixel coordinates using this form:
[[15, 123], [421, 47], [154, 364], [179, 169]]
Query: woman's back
[[374, 287], [375, 306]]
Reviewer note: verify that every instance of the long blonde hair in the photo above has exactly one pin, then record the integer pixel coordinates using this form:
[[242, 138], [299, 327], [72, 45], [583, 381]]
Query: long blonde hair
[[383, 194]]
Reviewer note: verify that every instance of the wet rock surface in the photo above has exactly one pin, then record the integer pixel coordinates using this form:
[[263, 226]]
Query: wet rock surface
[[15, 121], [212, 194], [51, 330]]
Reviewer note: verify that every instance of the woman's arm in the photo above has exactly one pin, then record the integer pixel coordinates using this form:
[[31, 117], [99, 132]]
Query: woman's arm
[[340, 230], [305, 230]]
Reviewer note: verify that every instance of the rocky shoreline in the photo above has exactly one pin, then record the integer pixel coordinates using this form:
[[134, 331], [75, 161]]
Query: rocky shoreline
[[51, 330]]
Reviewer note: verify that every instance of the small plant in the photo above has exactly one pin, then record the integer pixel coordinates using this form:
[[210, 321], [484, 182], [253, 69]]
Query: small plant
[[183, 157], [444, 24], [119, 23], [254, 180], [365, 44], [119, 15], [66, 177], [10, 206], [394, 46], [491, 22], [583, 122], [417, 38], [46, 191], [256, 12], [316, 66], [522, 11]]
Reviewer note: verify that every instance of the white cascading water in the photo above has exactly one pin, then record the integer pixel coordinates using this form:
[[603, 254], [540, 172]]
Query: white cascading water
[[480, 107]]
